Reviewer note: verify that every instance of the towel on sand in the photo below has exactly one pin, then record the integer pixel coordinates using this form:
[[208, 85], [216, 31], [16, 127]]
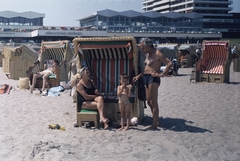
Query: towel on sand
[[5, 88], [55, 91]]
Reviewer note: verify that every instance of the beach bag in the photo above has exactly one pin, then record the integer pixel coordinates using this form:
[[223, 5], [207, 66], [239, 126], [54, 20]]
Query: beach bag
[[141, 83], [24, 83], [141, 90], [74, 93]]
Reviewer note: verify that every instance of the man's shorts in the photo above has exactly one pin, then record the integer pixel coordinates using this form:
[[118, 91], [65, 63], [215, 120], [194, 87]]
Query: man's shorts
[[148, 78]]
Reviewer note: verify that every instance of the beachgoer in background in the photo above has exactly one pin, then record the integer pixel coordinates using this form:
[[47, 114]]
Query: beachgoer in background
[[49, 69], [124, 92], [151, 75], [89, 97]]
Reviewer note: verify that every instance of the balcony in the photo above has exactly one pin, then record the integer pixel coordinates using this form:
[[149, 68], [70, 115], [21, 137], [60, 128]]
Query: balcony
[[148, 6], [183, 9], [213, 2], [211, 14], [182, 3], [147, 1], [213, 8], [161, 8], [161, 2]]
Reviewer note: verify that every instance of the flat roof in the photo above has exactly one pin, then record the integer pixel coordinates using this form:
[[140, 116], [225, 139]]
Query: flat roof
[[28, 14], [151, 14]]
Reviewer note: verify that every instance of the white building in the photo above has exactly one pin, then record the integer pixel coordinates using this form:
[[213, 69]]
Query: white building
[[216, 13], [205, 7]]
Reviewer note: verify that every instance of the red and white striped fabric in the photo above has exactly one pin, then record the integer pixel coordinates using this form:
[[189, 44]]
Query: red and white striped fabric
[[106, 65], [106, 73], [214, 58], [215, 66]]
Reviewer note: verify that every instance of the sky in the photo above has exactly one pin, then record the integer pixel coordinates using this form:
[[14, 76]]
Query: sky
[[67, 12]]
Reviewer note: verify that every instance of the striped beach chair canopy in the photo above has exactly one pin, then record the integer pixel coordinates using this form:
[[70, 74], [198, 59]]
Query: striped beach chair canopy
[[10, 52], [26, 52], [215, 54], [184, 47], [237, 48], [107, 58], [191, 48], [169, 50], [56, 50]]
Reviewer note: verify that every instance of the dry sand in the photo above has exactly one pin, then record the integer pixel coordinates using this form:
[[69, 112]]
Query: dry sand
[[200, 122]]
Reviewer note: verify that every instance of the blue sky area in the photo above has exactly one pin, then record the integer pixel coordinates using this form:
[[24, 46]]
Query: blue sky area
[[67, 12]]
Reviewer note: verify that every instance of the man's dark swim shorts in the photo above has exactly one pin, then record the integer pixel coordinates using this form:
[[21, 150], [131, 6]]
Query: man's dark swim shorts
[[148, 78]]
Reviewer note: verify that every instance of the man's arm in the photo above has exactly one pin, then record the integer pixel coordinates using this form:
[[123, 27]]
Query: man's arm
[[166, 61], [141, 64]]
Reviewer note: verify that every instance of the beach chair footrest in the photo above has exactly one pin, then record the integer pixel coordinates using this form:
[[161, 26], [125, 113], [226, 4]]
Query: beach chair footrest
[[87, 115]]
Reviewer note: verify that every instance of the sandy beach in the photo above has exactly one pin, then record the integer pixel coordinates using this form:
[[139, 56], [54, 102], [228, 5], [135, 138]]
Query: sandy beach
[[201, 122]]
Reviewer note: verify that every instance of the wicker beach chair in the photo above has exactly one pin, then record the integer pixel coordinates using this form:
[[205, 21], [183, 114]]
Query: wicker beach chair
[[20, 67], [236, 60], [53, 50], [214, 66], [9, 55], [171, 52], [107, 58], [191, 50], [1, 57]]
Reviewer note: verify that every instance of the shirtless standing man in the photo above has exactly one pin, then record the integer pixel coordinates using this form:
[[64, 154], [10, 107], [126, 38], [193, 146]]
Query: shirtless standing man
[[151, 75]]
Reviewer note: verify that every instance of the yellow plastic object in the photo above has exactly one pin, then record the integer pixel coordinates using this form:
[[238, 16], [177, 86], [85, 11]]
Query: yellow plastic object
[[56, 126]]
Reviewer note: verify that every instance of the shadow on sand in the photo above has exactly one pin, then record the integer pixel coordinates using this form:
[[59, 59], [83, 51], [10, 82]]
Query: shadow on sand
[[175, 124], [181, 75], [235, 83]]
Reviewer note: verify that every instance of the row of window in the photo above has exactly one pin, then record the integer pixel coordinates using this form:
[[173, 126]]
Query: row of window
[[222, 25], [21, 21], [145, 19], [141, 21]]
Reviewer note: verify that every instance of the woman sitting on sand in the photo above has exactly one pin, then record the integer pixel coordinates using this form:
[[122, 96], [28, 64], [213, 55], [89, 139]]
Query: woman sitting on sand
[[88, 96]]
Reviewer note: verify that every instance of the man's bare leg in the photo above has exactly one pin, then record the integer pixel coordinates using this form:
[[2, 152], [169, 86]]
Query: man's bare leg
[[153, 103], [35, 76], [45, 76]]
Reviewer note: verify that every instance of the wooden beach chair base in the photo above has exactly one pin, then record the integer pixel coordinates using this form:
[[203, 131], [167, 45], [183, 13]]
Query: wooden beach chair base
[[87, 115]]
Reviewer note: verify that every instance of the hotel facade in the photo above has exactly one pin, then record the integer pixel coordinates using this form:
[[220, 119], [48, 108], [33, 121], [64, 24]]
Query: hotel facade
[[216, 13]]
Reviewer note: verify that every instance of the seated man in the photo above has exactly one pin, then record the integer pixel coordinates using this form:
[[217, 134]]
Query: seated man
[[183, 59], [49, 69]]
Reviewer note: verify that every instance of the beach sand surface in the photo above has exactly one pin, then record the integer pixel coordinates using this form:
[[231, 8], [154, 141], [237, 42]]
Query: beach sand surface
[[200, 122]]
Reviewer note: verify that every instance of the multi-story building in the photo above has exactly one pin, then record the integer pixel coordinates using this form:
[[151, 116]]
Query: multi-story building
[[10, 19], [206, 7], [133, 21], [160, 27], [216, 13]]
